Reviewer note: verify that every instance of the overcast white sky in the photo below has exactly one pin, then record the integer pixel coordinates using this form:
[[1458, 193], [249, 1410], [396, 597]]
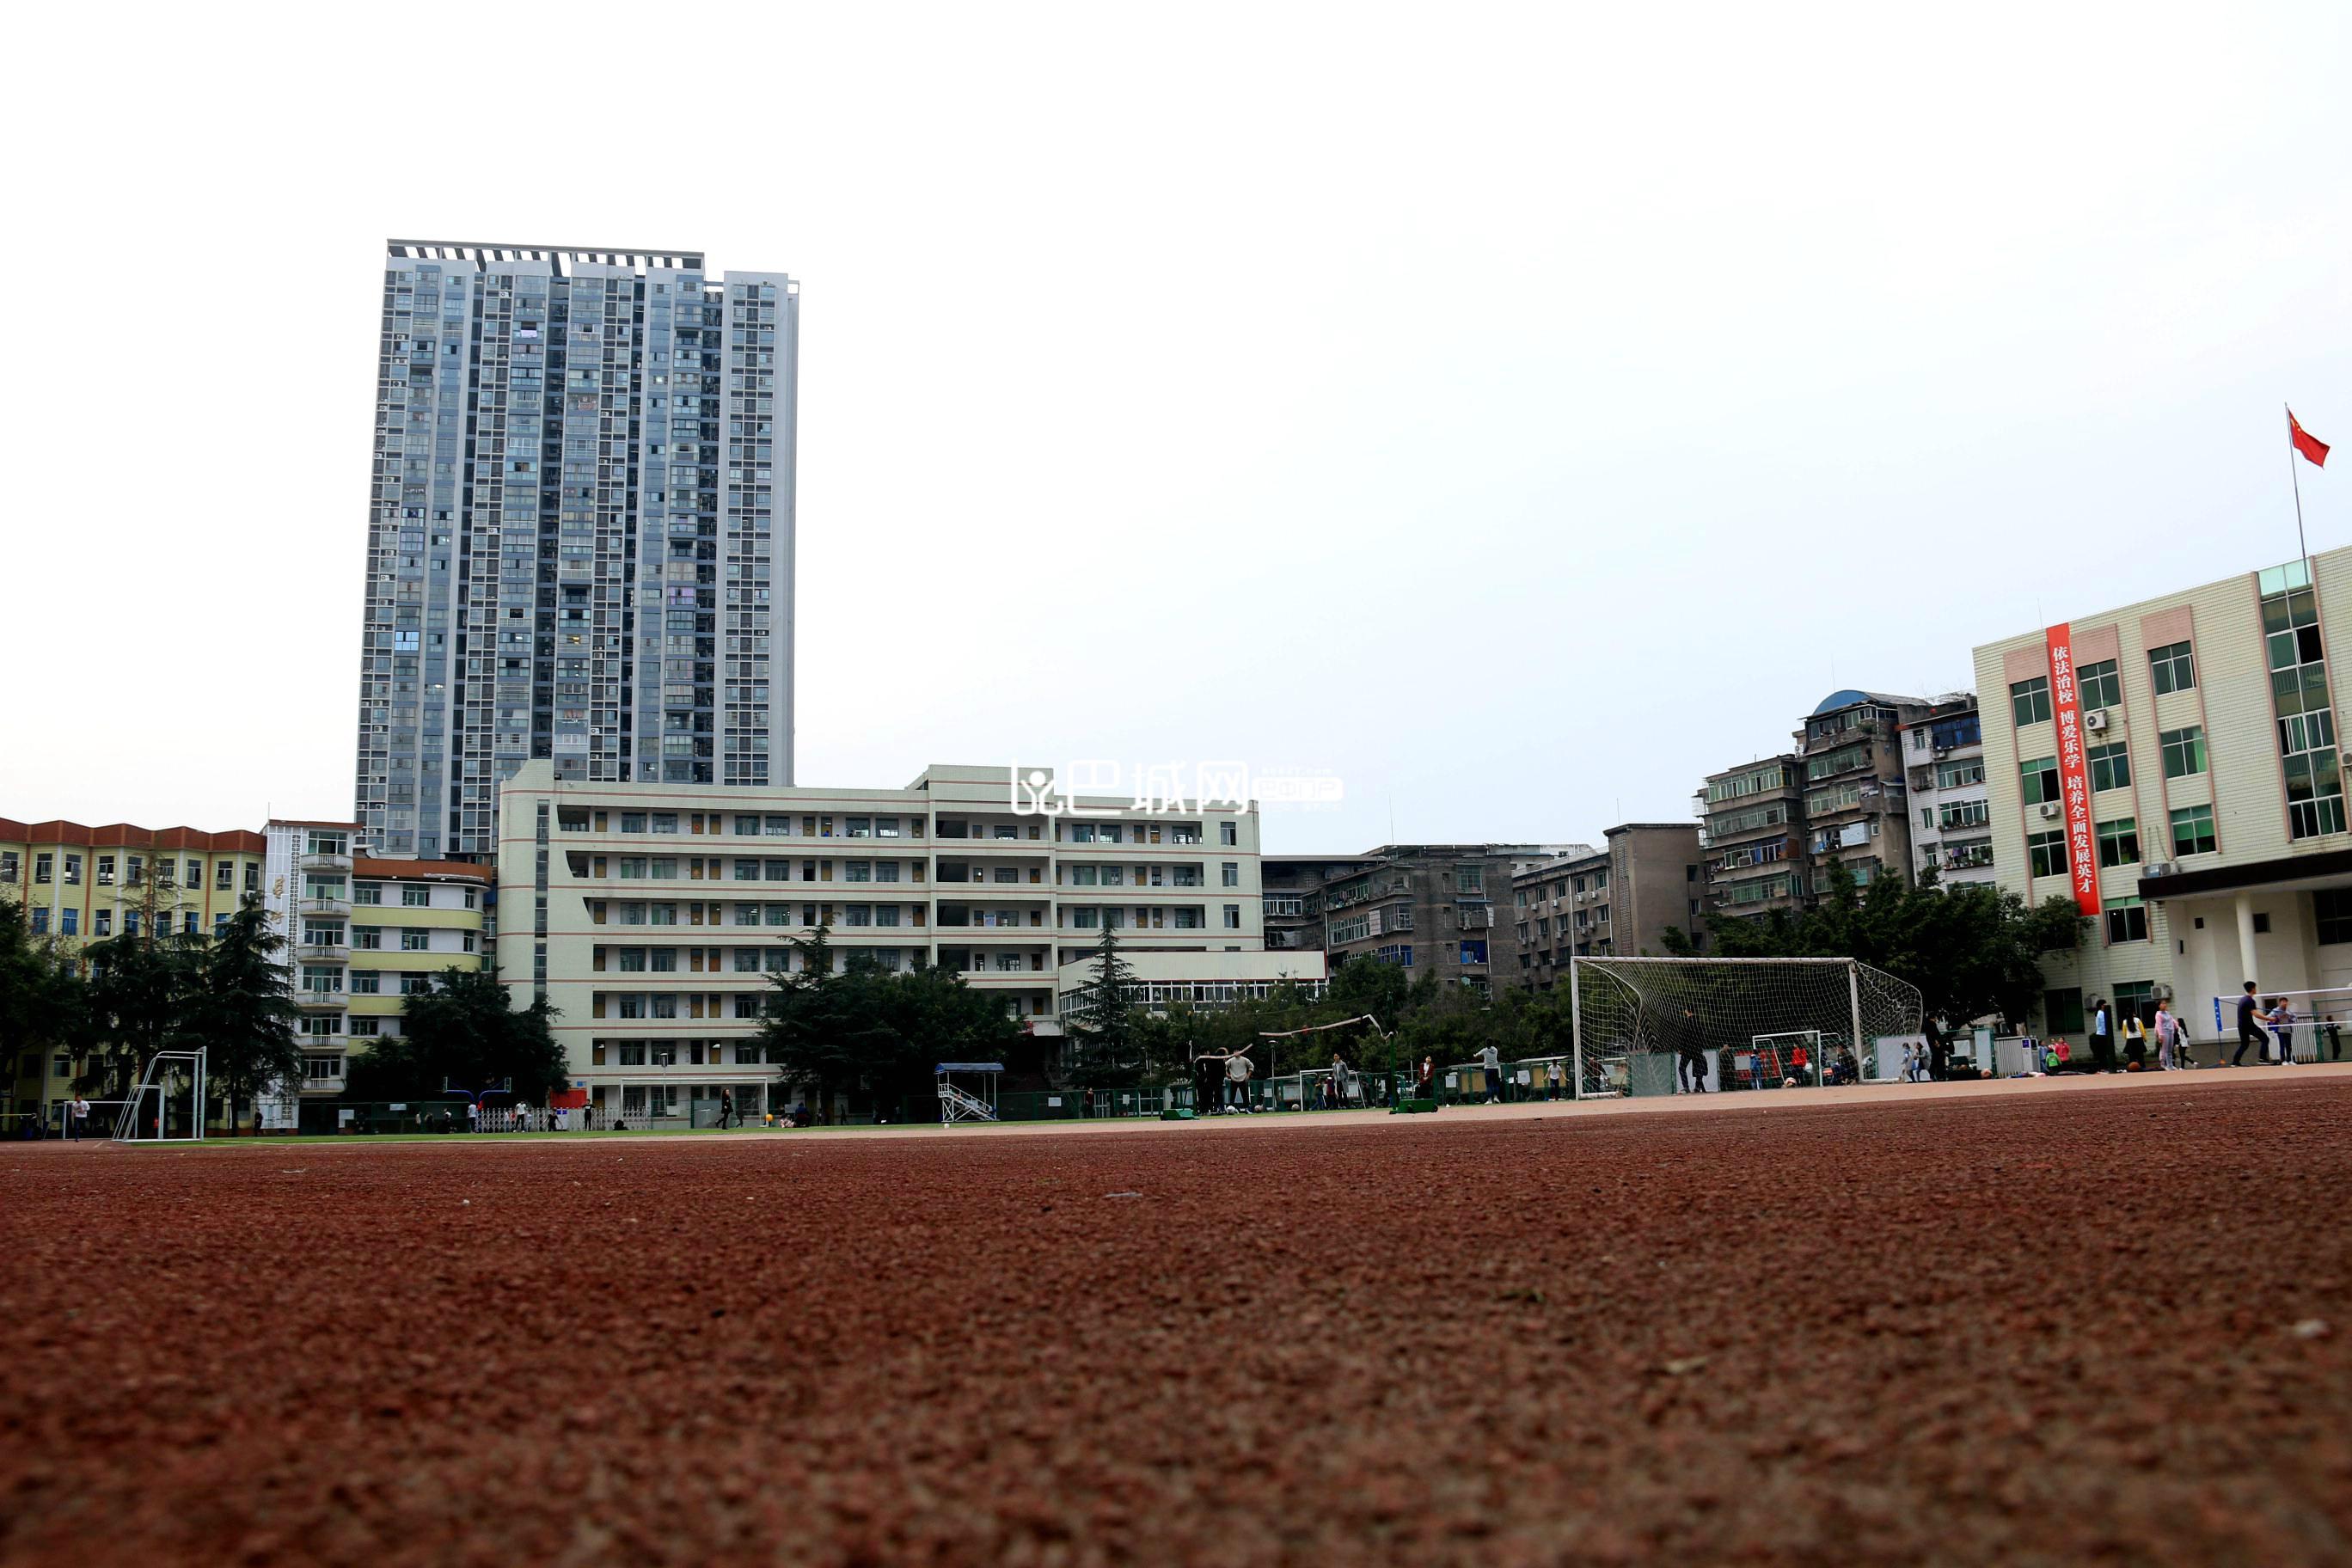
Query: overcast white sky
[[1515, 413]]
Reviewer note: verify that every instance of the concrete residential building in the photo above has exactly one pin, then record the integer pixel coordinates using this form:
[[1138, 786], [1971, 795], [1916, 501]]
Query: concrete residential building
[[362, 933], [2213, 809], [1431, 906], [1617, 900], [1857, 794], [579, 531], [1752, 833], [652, 914], [79, 884], [1294, 897], [1951, 833]]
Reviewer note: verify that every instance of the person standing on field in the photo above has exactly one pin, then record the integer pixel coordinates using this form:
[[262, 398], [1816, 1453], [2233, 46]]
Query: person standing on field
[[2167, 1038], [77, 1118], [2103, 1038], [2283, 1030], [1490, 1064], [1237, 1077]]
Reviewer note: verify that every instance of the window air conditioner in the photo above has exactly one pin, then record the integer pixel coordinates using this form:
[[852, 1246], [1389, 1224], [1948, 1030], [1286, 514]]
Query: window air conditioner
[[2096, 720], [2050, 809], [2159, 869]]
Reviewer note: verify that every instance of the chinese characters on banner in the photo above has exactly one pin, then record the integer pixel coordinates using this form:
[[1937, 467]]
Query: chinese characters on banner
[[2073, 777]]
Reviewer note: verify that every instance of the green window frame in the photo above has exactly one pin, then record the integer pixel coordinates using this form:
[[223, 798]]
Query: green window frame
[[2098, 685], [2119, 842], [2029, 701], [2127, 920], [2038, 780], [2192, 830], [2046, 853], [2172, 667], [2110, 765], [2061, 1011], [2184, 750]]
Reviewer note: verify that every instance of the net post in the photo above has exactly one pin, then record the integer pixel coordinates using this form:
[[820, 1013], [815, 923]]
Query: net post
[[1575, 1031], [1853, 1001]]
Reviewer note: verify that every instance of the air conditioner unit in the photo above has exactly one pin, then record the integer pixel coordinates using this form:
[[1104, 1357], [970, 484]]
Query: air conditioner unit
[[2049, 810], [2096, 720], [2159, 869], [2160, 991], [1943, 751]]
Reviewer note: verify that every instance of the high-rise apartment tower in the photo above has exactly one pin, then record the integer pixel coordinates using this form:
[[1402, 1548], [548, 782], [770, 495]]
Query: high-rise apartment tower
[[579, 531]]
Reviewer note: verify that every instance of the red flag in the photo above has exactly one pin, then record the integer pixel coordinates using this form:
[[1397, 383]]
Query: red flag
[[2304, 441]]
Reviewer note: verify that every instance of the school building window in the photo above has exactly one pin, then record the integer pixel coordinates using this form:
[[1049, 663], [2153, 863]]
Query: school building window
[[2039, 779], [2171, 668], [2192, 830], [2184, 751], [2099, 685], [2331, 915], [2046, 853], [2061, 1011], [2110, 767], [2119, 842], [2029, 700], [2127, 920]]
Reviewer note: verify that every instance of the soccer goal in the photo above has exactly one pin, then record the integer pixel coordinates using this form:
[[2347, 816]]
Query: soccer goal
[[167, 1104], [1681, 1026]]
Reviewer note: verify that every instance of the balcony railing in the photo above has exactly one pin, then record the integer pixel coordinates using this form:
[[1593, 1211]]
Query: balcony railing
[[322, 906], [324, 862]]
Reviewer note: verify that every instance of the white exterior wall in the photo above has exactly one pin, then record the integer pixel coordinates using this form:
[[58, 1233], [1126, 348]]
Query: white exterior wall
[[1019, 960], [2244, 784]]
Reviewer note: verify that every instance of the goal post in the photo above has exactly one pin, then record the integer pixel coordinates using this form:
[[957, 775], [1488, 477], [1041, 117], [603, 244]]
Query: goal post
[[1642, 1027], [167, 1104]]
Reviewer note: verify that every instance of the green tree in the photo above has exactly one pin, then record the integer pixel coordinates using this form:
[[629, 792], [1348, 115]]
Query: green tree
[[241, 1009], [1107, 1051], [143, 985], [464, 1032], [1972, 950], [1362, 984], [837, 1028], [44, 1002]]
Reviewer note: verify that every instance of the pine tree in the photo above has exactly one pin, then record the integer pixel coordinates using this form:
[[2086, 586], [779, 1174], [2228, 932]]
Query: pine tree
[[241, 1009], [1106, 1018]]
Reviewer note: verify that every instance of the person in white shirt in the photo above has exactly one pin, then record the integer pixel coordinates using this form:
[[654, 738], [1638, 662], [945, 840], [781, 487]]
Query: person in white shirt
[[1490, 1062]]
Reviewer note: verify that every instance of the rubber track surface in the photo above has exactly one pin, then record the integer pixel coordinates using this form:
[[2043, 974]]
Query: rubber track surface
[[2104, 1326]]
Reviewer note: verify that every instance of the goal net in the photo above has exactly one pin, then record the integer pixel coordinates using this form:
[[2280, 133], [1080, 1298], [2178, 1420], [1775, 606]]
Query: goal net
[[1683, 1025], [167, 1104]]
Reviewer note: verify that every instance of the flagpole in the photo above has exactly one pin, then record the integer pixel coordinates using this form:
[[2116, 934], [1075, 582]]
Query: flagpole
[[2295, 480]]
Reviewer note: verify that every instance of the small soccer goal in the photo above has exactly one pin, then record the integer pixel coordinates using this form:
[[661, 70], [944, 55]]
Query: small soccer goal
[[1644, 1026], [167, 1104]]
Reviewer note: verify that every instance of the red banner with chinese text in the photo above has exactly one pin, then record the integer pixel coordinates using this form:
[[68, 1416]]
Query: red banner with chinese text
[[2074, 775]]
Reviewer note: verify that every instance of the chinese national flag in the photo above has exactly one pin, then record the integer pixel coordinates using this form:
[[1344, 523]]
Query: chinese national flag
[[2304, 441]]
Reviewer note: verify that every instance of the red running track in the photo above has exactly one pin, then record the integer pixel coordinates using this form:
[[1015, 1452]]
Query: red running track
[[2108, 1325]]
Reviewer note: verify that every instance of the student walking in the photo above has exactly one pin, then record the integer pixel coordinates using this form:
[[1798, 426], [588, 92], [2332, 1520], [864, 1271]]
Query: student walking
[[77, 1118], [2334, 1037], [2250, 1018], [726, 1107]]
